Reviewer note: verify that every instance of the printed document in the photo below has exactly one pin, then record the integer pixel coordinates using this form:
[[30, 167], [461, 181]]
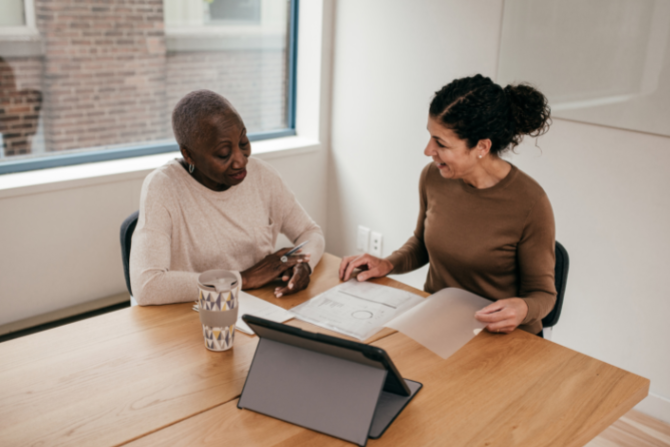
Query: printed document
[[257, 307], [357, 309]]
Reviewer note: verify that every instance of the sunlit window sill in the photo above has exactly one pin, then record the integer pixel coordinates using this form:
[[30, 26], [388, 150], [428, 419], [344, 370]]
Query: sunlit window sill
[[48, 180], [20, 42], [222, 38]]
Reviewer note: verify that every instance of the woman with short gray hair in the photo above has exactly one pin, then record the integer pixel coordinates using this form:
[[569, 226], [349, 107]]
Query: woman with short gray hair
[[217, 208]]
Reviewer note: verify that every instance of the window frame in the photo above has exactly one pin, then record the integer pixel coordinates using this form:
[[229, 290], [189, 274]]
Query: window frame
[[29, 28], [159, 147], [23, 40]]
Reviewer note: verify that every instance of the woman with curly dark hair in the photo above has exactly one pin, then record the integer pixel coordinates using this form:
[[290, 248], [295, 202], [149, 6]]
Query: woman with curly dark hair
[[484, 225]]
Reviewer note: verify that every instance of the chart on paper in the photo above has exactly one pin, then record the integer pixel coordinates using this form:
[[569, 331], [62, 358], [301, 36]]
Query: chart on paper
[[357, 309]]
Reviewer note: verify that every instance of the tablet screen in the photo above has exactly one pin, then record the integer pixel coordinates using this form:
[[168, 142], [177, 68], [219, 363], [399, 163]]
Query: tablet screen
[[337, 347]]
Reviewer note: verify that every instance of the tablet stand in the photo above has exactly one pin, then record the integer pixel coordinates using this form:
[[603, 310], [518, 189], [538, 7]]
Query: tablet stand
[[329, 394]]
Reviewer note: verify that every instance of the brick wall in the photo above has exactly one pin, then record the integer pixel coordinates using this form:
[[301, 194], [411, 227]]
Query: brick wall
[[20, 103], [104, 72], [254, 81]]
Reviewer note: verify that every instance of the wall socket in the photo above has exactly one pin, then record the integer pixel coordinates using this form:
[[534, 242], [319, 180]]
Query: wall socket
[[363, 239], [376, 244]]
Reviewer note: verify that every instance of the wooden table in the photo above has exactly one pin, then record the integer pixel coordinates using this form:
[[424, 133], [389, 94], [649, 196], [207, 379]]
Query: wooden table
[[141, 376]]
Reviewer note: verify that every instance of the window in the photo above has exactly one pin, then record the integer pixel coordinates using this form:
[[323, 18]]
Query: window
[[240, 11], [12, 13], [17, 17], [110, 74]]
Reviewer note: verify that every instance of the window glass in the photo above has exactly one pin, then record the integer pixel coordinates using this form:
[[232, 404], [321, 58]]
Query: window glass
[[11, 13], [111, 72], [240, 11]]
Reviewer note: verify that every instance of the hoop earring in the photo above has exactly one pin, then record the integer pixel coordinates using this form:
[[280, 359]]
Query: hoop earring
[[191, 168]]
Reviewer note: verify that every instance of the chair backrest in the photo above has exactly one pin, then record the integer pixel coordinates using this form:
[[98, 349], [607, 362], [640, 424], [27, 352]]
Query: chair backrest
[[560, 278], [127, 229]]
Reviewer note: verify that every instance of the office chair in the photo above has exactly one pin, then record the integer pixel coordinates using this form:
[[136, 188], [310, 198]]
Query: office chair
[[560, 279], [127, 229]]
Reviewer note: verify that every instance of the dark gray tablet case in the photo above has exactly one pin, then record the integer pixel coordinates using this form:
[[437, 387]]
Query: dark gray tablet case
[[337, 391]]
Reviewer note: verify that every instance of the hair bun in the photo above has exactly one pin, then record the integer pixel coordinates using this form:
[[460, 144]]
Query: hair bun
[[529, 110], [475, 108]]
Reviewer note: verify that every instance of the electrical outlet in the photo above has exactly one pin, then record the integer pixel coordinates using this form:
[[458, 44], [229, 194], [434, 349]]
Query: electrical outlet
[[376, 244], [363, 239]]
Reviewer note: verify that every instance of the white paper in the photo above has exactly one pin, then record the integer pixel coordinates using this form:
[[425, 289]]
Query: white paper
[[357, 309], [443, 322], [257, 307]]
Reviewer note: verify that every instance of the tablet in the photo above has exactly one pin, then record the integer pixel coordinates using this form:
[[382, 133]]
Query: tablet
[[342, 388], [337, 347]]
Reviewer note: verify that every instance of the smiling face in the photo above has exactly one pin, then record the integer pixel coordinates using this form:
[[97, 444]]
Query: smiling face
[[453, 157], [221, 153]]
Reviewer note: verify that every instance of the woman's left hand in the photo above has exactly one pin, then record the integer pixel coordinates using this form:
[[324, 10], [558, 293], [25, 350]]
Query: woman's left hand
[[503, 315], [298, 280]]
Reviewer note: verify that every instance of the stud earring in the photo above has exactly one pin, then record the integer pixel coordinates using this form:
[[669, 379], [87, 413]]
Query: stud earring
[[191, 168], [480, 156]]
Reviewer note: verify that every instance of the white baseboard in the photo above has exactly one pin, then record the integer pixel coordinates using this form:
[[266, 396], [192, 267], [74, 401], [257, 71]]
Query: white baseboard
[[655, 406], [63, 313]]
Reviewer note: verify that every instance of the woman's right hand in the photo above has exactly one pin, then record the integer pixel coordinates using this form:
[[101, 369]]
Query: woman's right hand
[[373, 267], [270, 268]]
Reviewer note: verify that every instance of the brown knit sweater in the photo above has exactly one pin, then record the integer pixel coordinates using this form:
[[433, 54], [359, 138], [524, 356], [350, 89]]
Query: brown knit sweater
[[496, 242]]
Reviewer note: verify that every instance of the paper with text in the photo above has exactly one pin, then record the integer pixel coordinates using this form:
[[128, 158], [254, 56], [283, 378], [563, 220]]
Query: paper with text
[[357, 309]]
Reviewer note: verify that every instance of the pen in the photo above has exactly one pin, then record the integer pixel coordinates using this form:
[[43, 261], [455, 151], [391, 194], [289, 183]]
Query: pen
[[293, 250]]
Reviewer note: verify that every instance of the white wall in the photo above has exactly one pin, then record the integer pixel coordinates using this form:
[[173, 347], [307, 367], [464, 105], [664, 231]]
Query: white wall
[[390, 57], [609, 187], [61, 247]]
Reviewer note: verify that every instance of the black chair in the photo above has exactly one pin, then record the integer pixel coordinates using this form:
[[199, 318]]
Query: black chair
[[127, 229], [560, 278]]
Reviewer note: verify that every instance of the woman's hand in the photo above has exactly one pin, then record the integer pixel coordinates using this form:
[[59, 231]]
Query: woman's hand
[[503, 315], [374, 267], [270, 268], [298, 280]]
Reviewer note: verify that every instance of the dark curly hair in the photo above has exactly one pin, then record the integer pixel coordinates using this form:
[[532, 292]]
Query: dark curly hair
[[476, 108]]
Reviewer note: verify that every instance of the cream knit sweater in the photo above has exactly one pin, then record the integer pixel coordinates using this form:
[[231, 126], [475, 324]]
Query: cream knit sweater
[[185, 229]]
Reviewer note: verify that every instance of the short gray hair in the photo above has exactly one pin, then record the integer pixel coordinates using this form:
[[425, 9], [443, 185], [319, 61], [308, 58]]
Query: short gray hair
[[191, 112]]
